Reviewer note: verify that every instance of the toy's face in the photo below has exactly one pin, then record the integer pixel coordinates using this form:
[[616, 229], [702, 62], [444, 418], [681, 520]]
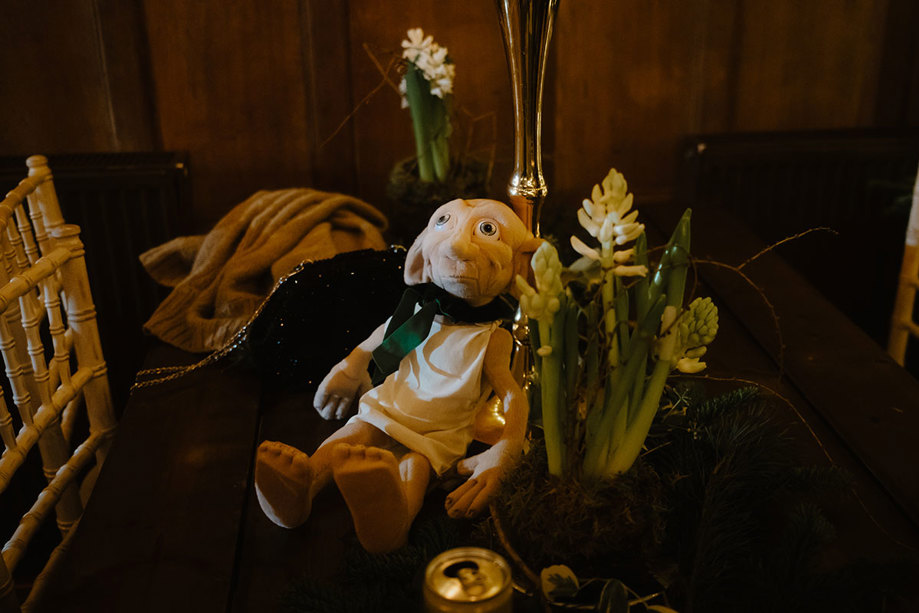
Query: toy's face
[[469, 248]]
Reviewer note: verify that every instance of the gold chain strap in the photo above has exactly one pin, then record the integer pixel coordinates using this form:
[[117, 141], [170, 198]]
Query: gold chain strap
[[171, 373], [154, 376]]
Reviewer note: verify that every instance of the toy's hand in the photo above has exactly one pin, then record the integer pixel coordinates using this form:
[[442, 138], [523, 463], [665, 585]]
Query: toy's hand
[[485, 471], [344, 384]]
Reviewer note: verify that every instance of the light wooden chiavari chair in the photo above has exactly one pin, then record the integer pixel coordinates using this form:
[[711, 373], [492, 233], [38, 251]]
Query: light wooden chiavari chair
[[902, 324], [44, 292]]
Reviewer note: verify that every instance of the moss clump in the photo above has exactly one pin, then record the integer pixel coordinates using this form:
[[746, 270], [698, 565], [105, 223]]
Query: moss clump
[[593, 528]]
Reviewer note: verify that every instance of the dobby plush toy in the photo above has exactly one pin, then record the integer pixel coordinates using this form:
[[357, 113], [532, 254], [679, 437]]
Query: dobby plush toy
[[436, 359]]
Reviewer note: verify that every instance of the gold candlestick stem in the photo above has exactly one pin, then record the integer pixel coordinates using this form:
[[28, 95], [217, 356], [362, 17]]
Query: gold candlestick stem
[[526, 27]]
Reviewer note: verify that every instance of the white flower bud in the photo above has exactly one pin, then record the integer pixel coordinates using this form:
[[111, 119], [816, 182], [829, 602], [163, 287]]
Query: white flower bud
[[538, 303], [623, 255], [690, 366], [624, 204], [588, 223], [630, 271], [607, 230], [524, 287], [596, 194], [631, 217], [579, 246]]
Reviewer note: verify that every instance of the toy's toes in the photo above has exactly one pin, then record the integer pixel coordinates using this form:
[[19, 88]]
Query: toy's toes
[[282, 483]]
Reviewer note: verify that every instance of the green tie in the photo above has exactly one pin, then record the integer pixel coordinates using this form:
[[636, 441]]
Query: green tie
[[407, 329]]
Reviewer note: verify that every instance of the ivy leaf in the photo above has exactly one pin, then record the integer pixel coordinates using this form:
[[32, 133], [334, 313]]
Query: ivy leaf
[[613, 598], [558, 581]]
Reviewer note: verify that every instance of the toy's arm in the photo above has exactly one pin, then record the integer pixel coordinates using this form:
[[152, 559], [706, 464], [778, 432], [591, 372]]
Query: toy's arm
[[348, 380], [486, 469]]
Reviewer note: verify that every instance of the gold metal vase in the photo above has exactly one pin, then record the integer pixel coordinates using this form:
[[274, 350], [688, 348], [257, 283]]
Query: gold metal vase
[[526, 26]]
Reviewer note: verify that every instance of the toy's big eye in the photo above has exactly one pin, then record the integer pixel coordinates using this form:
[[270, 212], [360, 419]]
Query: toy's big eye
[[442, 220], [488, 228]]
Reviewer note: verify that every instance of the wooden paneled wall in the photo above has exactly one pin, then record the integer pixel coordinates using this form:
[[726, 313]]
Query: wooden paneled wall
[[286, 93]]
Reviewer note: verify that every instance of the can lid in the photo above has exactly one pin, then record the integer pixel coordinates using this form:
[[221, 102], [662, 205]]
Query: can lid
[[467, 574]]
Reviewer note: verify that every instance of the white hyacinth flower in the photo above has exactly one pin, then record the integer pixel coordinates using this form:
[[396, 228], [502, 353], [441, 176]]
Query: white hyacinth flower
[[416, 44], [695, 329], [606, 216], [548, 270], [542, 302], [431, 59]]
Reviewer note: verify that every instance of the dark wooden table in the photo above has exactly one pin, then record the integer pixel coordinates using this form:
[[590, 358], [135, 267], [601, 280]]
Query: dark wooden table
[[173, 524]]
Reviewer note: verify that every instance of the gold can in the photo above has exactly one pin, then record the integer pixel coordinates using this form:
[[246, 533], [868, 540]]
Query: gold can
[[468, 580]]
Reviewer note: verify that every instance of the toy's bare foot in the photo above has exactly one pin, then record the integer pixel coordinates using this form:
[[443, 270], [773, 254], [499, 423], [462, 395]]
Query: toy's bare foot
[[282, 483], [369, 480]]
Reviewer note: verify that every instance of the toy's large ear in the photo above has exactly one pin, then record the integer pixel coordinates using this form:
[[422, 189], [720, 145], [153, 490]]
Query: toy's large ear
[[522, 261], [415, 265]]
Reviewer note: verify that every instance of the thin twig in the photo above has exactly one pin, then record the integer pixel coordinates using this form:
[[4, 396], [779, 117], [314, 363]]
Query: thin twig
[[472, 121], [385, 79], [502, 538], [785, 240], [384, 72], [739, 270], [765, 299]]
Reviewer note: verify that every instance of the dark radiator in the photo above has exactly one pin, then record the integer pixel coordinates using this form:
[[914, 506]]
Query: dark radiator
[[124, 203], [855, 181]]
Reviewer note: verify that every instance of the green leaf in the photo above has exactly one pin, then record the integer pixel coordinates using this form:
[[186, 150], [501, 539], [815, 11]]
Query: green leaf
[[558, 581], [614, 598]]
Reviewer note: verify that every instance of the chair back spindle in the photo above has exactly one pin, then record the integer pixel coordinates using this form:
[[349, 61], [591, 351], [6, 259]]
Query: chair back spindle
[[44, 291], [902, 324]]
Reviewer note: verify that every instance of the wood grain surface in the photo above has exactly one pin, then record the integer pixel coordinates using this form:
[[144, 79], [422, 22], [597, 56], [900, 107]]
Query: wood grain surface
[[286, 94]]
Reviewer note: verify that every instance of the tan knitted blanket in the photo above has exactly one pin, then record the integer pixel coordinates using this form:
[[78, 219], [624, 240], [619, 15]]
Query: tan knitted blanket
[[220, 278]]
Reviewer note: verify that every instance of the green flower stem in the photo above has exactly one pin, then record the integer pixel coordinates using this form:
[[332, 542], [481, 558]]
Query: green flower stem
[[677, 246], [571, 348], [551, 334], [622, 318], [638, 388], [679, 260], [417, 91], [592, 358], [642, 299], [615, 414], [617, 434], [439, 137], [621, 383], [431, 124], [638, 426], [627, 452], [599, 432], [533, 336], [608, 294]]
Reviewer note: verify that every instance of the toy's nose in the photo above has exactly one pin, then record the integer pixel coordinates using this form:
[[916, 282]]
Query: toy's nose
[[460, 245]]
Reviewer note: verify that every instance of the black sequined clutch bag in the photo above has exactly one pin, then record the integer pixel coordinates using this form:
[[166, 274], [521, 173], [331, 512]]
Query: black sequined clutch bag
[[313, 317], [321, 311]]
